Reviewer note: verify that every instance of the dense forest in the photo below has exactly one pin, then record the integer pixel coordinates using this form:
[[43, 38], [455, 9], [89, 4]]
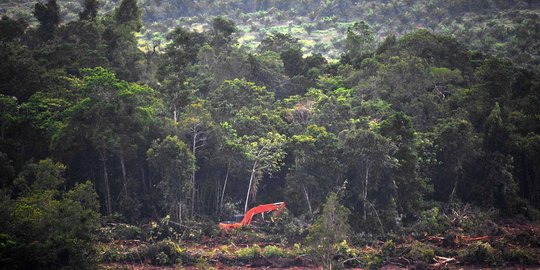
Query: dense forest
[[402, 133]]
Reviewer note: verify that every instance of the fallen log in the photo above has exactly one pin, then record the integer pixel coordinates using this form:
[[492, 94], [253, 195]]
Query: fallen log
[[442, 261]]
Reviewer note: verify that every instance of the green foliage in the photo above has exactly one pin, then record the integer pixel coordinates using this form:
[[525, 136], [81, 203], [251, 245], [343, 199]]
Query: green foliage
[[129, 14], [48, 16], [222, 29], [432, 221], [57, 230], [120, 231], [329, 229], [236, 94], [11, 29], [174, 162], [273, 252], [166, 252], [421, 252], [479, 252], [248, 254], [520, 255], [359, 43], [90, 10], [369, 154]]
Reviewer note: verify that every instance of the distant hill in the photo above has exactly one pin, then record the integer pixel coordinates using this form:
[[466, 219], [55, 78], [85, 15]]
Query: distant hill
[[504, 28]]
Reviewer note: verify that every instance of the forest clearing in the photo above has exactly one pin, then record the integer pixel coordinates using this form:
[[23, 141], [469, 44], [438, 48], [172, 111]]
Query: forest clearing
[[511, 245]]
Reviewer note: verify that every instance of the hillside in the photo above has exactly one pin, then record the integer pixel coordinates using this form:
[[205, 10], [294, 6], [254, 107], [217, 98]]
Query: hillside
[[503, 28]]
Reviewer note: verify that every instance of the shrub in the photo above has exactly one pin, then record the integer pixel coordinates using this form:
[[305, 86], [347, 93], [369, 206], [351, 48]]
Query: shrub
[[161, 259], [273, 252], [421, 252], [174, 253], [120, 231], [161, 230], [114, 254], [347, 253], [287, 227], [521, 256], [126, 232], [249, 253], [49, 229], [329, 229], [528, 237], [432, 221], [479, 253], [533, 213]]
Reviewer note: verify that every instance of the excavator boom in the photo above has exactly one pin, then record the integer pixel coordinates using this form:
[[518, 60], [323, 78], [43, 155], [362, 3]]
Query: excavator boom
[[263, 208]]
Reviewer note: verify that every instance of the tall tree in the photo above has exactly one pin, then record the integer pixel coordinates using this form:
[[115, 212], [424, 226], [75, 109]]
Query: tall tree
[[457, 142], [176, 67], [359, 43], [263, 154], [112, 115], [410, 188], [222, 30], [370, 156], [197, 125], [128, 14], [266, 154], [11, 29], [90, 10], [174, 162], [48, 16], [317, 168]]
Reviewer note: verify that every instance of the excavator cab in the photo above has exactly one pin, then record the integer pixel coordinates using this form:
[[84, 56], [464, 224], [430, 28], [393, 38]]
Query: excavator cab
[[233, 219]]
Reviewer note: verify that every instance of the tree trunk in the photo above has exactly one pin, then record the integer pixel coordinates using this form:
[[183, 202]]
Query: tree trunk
[[175, 113], [194, 150], [366, 181], [224, 186], [3, 134], [106, 182], [307, 199], [454, 189], [250, 183], [179, 212], [217, 196], [22, 152], [456, 179], [143, 178], [124, 175]]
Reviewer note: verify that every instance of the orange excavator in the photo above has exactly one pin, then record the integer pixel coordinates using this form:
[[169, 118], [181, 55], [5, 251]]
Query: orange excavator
[[246, 219]]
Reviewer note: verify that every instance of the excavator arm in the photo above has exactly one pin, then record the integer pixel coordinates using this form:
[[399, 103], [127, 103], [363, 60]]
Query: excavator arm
[[263, 208]]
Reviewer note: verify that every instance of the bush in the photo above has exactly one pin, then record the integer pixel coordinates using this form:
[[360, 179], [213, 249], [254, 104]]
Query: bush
[[346, 252], [128, 232], [479, 253], [161, 259], [288, 227], [273, 252], [174, 254], [521, 256], [329, 229], [533, 213], [161, 230], [48, 229], [421, 252], [114, 254], [248, 254], [527, 237], [432, 221], [120, 231]]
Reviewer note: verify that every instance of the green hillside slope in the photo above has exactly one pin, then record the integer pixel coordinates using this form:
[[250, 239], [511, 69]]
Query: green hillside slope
[[504, 28]]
